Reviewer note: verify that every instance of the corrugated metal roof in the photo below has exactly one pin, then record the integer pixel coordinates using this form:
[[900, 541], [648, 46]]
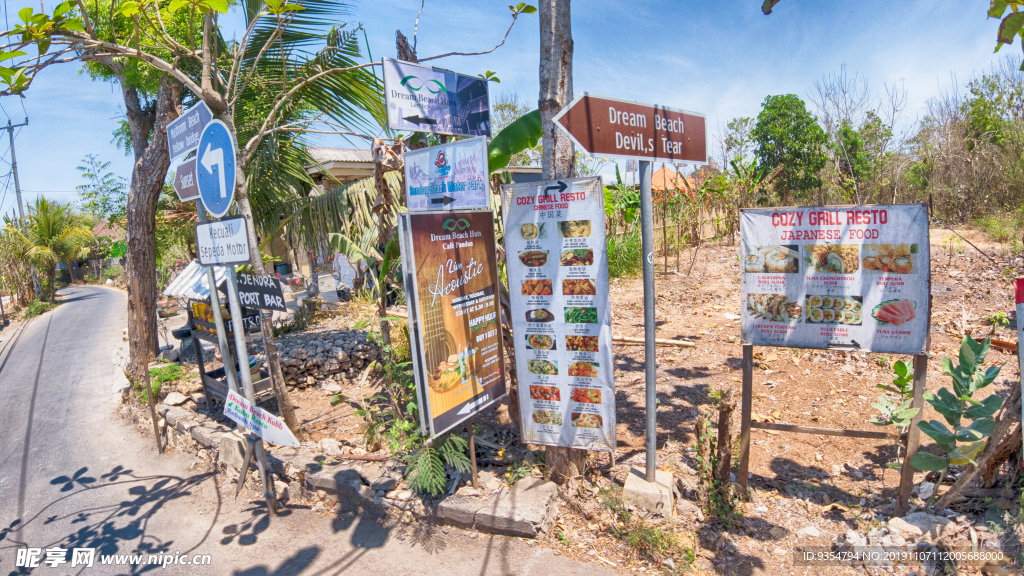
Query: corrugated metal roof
[[191, 282], [325, 155]]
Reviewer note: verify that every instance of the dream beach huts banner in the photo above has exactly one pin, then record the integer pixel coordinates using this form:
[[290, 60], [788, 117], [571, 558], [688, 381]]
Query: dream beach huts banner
[[855, 278], [451, 280]]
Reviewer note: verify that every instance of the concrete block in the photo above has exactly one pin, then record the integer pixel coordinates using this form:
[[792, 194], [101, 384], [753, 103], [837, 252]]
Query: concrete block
[[651, 496], [232, 449], [521, 511], [208, 434], [335, 479], [457, 511]]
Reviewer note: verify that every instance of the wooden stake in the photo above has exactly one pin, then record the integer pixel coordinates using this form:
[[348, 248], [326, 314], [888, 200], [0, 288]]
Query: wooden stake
[[745, 409], [913, 435], [472, 451]]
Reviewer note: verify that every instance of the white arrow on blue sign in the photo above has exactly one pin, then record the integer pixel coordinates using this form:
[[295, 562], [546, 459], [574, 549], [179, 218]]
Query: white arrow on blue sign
[[215, 173]]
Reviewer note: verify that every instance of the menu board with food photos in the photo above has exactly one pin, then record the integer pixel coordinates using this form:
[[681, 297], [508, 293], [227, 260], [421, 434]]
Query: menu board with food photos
[[855, 278], [561, 312]]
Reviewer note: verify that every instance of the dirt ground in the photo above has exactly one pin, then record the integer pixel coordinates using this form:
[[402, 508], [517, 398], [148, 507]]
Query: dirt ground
[[795, 477]]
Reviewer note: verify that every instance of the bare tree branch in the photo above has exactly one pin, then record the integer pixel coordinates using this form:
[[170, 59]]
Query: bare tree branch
[[515, 16]]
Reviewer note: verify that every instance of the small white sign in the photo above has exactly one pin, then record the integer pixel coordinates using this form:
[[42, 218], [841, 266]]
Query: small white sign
[[258, 421], [450, 176], [223, 242]]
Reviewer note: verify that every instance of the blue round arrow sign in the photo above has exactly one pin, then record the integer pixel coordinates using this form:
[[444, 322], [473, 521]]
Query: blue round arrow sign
[[215, 169]]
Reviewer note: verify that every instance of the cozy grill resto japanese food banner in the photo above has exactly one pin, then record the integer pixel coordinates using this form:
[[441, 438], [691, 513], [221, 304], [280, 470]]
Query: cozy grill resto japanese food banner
[[561, 312], [836, 277], [451, 280]]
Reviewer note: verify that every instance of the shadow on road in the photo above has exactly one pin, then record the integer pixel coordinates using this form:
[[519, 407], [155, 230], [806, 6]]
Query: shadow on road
[[108, 528]]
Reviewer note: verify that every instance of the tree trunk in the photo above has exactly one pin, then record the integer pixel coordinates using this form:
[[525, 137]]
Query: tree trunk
[[51, 272], [562, 464], [151, 163], [555, 86]]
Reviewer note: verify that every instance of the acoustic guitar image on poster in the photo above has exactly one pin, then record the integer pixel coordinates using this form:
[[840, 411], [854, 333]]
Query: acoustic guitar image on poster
[[452, 255]]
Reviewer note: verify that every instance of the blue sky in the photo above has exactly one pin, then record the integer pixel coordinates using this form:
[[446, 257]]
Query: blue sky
[[717, 58]]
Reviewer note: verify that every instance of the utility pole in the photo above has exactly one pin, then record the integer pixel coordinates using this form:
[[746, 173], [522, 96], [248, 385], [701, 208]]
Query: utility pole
[[17, 191]]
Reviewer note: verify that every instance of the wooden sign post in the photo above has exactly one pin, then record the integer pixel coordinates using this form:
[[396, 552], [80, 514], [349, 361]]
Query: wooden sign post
[[913, 436]]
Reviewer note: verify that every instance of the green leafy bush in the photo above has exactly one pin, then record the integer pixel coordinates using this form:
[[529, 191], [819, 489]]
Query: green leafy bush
[[425, 468], [37, 307], [112, 272], [963, 443], [897, 413]]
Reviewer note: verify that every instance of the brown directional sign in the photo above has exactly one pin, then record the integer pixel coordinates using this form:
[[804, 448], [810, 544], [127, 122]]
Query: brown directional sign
[[185, 183], [613, 128]]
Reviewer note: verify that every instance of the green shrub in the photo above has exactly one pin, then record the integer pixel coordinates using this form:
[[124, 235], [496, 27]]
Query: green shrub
[[625, 254], [113, 272], [37, 307], [1001, 228]]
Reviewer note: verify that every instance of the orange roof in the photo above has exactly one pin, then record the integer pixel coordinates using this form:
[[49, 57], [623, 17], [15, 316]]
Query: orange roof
[[102, 229], [666, 179]]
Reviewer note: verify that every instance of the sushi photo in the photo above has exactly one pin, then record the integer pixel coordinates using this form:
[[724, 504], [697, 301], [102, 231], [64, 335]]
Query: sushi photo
[[889, 258], [832, 258], [773, 259], [895, 312], [833, 309], [773, 307]]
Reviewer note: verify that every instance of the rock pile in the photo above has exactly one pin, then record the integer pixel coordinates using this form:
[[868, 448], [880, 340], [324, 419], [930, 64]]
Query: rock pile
[[319, 358]]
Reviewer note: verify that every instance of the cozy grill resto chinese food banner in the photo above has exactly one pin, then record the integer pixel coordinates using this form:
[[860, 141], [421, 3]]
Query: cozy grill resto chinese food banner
[[837, 277], [561, 312], [451, 280]]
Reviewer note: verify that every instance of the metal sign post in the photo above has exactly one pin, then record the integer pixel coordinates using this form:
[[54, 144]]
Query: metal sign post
[[615, 128], [247, 390], [650, 369], [1019, 300], [218, 320]]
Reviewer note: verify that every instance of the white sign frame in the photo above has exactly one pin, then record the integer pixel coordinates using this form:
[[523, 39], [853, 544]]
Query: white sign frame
[[878, 268], [220, 243], [549, 203], [426, 182]]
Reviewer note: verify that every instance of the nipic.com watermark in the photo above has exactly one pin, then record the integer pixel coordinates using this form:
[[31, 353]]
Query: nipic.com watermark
[[87, 558]]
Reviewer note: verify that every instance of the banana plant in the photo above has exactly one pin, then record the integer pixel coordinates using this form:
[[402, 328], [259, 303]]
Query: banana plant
[[963, 442]]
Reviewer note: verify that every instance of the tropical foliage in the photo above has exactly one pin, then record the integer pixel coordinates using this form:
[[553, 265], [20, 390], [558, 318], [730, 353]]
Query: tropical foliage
[[55, 233]]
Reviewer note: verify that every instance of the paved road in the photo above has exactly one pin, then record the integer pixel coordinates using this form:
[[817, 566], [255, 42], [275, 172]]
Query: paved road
[[73, 475]]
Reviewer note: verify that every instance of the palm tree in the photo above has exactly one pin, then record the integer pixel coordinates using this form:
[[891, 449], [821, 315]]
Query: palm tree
[[56, 233]]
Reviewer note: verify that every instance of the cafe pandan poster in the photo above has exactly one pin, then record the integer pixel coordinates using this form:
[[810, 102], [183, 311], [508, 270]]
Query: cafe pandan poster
[[451, 287]]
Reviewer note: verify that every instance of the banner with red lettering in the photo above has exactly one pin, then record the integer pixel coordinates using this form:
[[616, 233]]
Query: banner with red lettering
[[854, 278], [561, 312]]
